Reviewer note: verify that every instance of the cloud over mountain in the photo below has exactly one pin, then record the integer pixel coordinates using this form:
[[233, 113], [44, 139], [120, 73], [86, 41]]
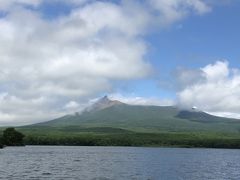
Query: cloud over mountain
[[218, 91], [50, 65]]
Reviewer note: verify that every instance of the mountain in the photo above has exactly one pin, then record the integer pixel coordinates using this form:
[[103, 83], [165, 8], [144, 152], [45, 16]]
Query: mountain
[[102, 103], [106, 113], [203, 117]]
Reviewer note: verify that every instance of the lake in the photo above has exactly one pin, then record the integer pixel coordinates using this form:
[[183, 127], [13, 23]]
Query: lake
[[124, 163]]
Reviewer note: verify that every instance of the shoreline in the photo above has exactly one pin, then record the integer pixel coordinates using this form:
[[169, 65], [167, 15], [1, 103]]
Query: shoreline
[[167, 147]]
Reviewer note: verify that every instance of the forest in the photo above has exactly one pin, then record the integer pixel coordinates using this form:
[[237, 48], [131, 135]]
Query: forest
[[138, 139], [11, 137]]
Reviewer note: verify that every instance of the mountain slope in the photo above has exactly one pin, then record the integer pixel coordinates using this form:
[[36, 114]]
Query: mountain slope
[[114, 114], [102, 103]]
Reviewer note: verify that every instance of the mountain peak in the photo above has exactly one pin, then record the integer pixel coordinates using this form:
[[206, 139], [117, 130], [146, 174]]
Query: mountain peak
[[103, 103], [104, 99]]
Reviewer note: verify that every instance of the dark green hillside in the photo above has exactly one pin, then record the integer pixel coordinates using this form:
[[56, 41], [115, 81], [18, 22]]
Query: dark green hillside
[[203, 117], [114, 123], [120, 116], [152, 119]]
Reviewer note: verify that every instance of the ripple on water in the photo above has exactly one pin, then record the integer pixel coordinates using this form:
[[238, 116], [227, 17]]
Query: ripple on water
[[40, 162]]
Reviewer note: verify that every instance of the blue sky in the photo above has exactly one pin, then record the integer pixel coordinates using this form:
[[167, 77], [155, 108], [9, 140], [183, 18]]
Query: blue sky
[[57, 56], [191, 43], [195, 42], [200, 40]]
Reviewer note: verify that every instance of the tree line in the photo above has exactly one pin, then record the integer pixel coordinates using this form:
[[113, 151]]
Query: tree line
[[11, 137], [138, 139]]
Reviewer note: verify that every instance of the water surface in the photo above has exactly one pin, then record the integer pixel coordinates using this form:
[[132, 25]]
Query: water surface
[[58, 162]]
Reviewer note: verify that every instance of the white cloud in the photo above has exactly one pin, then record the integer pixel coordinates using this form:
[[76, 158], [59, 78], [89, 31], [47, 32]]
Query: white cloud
[[17, 111], [72, 105], [218, 93], [46, 64], [174, 10], [6, 5], [216, 72], [145, 101], [226, 114], [187, 77]]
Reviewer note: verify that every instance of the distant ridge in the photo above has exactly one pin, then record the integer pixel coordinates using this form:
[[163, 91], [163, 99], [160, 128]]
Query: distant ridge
[[200, 116], [113, 114]]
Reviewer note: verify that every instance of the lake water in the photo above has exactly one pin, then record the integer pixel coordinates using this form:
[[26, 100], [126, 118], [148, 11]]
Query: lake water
[[52, 162]]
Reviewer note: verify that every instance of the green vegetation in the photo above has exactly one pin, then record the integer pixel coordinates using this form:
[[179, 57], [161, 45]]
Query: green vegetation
[[120, 137], [1, 142], [125, 125], [146, 119], [11, 137], [104, 136]]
